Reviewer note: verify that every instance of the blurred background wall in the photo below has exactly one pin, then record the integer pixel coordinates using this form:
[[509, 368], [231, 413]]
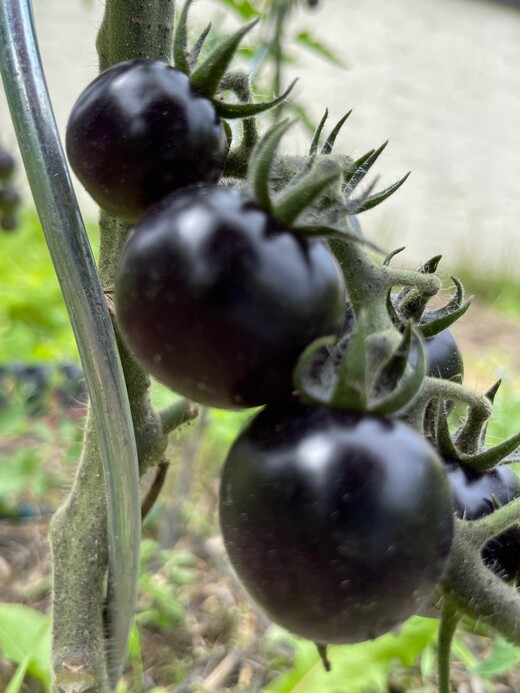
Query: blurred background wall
[[439, 78]]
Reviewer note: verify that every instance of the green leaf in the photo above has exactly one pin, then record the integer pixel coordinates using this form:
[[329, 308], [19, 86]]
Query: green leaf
[[502, 659], [306, 39], [243, 8], [26, 633], [16, 682], [356, 668]]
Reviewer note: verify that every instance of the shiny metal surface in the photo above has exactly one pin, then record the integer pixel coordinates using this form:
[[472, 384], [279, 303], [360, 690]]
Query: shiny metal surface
[[43, 157]]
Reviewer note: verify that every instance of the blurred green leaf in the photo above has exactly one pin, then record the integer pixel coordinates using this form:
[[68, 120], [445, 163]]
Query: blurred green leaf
[[15, 684], [26, 634], [502, 659], [244, 9], [34, 324], [306, 39], [358, 668]]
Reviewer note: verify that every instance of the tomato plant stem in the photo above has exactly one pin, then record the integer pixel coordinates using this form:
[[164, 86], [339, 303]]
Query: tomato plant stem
[[109, 443], [448, 625]]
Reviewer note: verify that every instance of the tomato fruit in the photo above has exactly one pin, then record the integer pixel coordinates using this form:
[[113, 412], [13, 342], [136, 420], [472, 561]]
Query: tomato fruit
[[217, 301], [476, 495], [338, 524], [6, 165], [443, 357], [139, 131]]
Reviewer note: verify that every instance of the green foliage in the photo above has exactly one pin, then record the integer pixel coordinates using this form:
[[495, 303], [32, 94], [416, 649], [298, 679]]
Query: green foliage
[[24, 474], [34, 324], [502, 659], [25, 640], [500, 289], [359, 668]]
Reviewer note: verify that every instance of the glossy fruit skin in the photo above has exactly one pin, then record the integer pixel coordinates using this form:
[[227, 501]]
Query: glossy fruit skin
[[139, 131], [217, 301], [443, 357], [338, 524], [474, 494]]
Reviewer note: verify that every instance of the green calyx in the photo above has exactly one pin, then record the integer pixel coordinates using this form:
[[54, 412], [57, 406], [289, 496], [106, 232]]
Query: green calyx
[[354, 171], [467, 445], [208, 75], [306, 198], [411, 303], [357, 373]]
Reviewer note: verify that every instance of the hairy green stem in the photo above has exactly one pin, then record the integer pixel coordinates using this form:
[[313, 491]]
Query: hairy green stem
[[436, 388], [473, 588], [447, 628], [79, 560], [129, 30]]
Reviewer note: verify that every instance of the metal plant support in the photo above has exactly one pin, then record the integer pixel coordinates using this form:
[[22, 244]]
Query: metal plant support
[[42, 153]]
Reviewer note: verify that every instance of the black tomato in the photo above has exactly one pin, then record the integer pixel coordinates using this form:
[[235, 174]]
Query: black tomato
[[443, 356], [477, 494], [139, 131], [339, 525], [7, 165], [217, 301]]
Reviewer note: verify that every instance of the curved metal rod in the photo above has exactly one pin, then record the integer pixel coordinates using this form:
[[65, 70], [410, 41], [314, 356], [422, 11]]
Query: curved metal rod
[[44, 161]]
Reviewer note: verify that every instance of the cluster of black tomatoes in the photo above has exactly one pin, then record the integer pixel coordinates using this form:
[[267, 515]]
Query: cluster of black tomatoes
[[9, 196], [338, 523]]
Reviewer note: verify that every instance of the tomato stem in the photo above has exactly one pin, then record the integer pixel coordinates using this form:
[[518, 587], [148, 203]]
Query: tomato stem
[[449, 620]]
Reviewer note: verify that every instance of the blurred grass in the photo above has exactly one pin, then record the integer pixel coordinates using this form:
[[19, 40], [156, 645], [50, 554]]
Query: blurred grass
[[34, 324]]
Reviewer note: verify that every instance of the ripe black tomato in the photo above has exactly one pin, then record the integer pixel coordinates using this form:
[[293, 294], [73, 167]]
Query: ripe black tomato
[[217, 301], [139, 131], [339, 525], [477, 494], [443, 357]]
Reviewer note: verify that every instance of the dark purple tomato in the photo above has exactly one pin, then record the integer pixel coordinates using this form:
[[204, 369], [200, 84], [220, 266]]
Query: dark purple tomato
[[7, 165], [139, 131], [476, 494], [217, 301], [339, 525], [443, 357]]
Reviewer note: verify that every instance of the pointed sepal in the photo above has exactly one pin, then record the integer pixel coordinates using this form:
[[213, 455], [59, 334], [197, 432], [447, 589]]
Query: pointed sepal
[[381, 196], [262, 160], [313, 149], [351, 388], [331, 139], [180, 40], [406, 387], [248, 110], [209, 73], [294, 199]]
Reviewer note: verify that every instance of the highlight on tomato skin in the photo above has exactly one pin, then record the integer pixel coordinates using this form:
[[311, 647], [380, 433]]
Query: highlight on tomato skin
[[339, 525], [138, 132], [217, 301]]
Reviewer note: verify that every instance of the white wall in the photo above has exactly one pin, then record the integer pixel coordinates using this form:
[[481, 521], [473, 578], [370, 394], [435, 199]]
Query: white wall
[[439, 78]]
